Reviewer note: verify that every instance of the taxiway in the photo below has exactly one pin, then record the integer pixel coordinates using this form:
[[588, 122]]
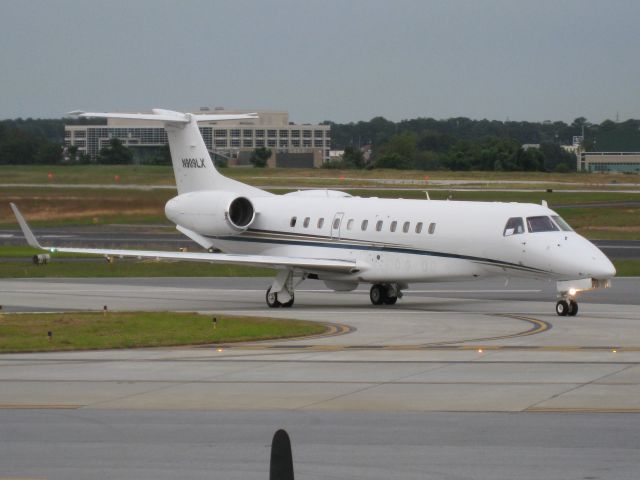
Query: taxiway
[[467, 380]]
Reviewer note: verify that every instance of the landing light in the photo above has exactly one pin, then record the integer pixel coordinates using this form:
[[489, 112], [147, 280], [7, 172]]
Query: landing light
[[219, 350], [479, 350], [572, 291]]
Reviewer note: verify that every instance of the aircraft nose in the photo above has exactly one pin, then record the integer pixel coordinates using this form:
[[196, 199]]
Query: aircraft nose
[[598, 265], [602, 266]]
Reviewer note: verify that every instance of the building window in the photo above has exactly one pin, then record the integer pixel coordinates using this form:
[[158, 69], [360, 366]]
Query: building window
[[272, 133], [305, 224], [379, 226], [306, 133], [432, 228], [295, 133], [293, 221], [418, 227], [247, 142], [393, 226], [318, 133], [247, 133], [284, 133], [320, 222], [260, 133], [306, 143], [284, 143], [271, 143], [259, 143], [405, 227], [235, 132], [221, 142], [220, 132], [318, 143], [295, 143], [364, 225], [235, 142]]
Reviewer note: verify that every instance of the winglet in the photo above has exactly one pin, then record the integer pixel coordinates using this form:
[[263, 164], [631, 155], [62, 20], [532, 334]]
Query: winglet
[[26, 231]]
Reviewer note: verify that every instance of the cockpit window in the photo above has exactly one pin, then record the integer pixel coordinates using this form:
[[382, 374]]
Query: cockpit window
[[514, 226], [541, 224], [564, 226]]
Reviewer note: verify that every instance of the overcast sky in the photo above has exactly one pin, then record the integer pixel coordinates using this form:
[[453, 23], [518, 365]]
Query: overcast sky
[[337, 60]]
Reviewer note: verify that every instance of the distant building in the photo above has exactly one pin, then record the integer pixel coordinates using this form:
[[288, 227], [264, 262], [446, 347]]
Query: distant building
[[619, 162], [527, 146], [291, 145]]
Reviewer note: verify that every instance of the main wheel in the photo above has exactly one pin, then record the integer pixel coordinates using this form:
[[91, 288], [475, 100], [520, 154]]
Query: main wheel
[[272, 299], [573, 308], [562, 308], [390, 300], [289, 303], [377, 294]]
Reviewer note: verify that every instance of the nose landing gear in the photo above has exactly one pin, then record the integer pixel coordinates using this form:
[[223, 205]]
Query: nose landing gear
[[564, 307]]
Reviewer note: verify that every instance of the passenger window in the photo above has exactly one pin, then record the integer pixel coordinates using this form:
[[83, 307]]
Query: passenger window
[[379, 226], [432, 228], [364, 225], [405, 227], [350, 224], [514, 226], [393, 226], [293, 221], [305, 224], [418, 227], [320, 222], [336, 223], [541, 224]]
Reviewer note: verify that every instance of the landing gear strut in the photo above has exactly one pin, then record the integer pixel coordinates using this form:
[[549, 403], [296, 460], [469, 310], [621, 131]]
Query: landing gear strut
[[386, 294]]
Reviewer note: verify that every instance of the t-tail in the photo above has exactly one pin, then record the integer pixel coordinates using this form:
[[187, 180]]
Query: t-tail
[[192, 165]]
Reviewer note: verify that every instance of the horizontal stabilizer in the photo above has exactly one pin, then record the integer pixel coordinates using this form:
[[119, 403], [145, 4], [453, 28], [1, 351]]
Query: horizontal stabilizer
[[168, 116]]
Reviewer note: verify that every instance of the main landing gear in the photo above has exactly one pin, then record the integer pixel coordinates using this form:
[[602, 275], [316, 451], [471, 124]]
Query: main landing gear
[[281, 291], [385, 294], [566, 307]]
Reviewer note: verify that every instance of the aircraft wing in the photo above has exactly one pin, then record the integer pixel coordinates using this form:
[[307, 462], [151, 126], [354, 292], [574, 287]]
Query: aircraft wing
[[308, 264]]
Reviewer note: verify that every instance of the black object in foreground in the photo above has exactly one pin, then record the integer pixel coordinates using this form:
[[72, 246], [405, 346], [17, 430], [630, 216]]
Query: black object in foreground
[[281, 458]]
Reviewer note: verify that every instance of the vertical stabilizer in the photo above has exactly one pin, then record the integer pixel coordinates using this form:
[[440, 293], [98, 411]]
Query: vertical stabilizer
[[192, 165]]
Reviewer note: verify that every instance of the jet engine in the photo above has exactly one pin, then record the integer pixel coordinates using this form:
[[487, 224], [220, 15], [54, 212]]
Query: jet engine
[[211, 213]]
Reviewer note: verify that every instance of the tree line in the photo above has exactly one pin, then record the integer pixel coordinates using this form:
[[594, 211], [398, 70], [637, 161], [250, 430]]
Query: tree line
[[466, 144], [422, 143]]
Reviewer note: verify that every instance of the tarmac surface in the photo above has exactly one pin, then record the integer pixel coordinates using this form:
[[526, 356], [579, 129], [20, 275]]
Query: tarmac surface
[[457, 381]]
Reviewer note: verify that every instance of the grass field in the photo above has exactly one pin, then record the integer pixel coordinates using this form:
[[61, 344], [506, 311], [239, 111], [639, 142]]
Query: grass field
[[45, 206], [89, 331], [163, 175]]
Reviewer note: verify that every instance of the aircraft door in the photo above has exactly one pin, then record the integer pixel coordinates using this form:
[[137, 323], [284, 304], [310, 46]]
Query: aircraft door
[[336, 224]]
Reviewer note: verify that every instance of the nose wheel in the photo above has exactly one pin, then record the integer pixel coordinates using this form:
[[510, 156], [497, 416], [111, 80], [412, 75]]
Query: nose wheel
[[564, 308]]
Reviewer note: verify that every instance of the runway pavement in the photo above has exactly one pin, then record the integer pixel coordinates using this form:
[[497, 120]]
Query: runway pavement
[[467, 380]]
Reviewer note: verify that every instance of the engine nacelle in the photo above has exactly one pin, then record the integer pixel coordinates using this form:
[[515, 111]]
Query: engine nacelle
[[211, 213]]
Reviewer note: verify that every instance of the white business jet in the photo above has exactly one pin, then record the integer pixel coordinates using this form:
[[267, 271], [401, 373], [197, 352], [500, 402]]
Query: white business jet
[[345, 240]]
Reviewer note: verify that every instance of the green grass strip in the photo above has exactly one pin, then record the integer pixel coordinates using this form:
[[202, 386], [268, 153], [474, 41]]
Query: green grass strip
[[96, 330]]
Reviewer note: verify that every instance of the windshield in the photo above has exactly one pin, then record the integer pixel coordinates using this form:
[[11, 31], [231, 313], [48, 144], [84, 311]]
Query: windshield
[[541, 224], [564, 226]]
